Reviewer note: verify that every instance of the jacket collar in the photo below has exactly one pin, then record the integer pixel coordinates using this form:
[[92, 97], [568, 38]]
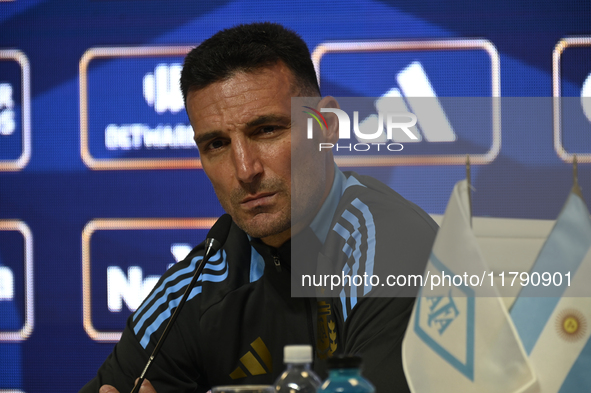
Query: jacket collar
[[313, 236], [321, 223]]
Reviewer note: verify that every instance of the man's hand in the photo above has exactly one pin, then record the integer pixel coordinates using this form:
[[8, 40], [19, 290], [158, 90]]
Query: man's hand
[[146, 388]]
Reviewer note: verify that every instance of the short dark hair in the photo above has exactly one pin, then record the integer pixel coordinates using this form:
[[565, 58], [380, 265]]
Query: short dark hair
[[247, 48]]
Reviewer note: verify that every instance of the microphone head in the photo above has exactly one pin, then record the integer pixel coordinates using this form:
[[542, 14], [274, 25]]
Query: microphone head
[[219, 231]]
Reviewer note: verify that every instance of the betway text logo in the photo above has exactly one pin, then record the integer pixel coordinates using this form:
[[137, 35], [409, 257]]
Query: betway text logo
[[162, 92]]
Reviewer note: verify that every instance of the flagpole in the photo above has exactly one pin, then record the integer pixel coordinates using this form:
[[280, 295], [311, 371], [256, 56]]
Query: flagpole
[[576, 188], [468, 179]]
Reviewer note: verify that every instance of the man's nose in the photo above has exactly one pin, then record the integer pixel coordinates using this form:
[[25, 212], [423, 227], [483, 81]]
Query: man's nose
[[247, 161]]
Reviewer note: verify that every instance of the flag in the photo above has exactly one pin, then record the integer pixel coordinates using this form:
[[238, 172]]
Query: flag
[[554, 321], [460, 337]]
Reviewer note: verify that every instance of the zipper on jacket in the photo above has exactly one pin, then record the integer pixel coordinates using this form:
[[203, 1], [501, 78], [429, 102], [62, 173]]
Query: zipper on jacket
[[276, 260], [311, 326]]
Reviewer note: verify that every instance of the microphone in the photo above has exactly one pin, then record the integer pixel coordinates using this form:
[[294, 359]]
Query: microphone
[[216, 237]]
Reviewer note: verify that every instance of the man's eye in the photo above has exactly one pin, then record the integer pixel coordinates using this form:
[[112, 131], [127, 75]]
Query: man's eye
[[215, 145], [268, 129]]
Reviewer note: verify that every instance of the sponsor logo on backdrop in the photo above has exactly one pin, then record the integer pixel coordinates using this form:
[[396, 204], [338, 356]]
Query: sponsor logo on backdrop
[[16, 282], [415, 93], [131, 287], [162, 92], [433, 123], [7, 121], [155, 130], [566, 123], [586, 96], [161, 88], [6, 284], [115, 283], [393, 122], [15, 114]]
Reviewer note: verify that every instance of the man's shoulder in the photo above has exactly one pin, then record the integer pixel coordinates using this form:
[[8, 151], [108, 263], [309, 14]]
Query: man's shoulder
[[225, 271], [234, 248], [375, 231], [380, 202]]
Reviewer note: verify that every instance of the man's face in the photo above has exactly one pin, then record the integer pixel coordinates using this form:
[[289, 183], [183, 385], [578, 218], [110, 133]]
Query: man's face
[[243, 130]]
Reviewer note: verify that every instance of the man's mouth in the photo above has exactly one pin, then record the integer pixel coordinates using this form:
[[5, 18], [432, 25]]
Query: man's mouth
[[257, 200]]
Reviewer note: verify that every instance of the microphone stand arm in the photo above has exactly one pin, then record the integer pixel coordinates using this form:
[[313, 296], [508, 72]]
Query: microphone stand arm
[[212, 246]]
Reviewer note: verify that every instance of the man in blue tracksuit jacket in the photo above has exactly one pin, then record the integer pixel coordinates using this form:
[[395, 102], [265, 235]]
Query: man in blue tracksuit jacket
[[289, 202]]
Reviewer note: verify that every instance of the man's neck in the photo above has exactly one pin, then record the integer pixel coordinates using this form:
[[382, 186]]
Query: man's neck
[[279, 239]]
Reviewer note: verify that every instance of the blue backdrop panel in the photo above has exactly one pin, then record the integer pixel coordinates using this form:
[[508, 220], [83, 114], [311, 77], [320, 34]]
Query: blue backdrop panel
[[108, 140]]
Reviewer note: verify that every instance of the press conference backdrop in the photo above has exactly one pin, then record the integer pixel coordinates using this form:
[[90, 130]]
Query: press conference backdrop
[[101, 188]]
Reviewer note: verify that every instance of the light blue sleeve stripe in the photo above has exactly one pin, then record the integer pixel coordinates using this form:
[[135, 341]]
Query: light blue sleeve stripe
[[213, 277], [172, 277], [174, 303], [216, 266], [371, 239], [179, 286], [347, 250], [344, 233], [360, 239], [175, 288], [350, 217], [165, 315], [356, 235], [353, 294], [188, 269], [344, 304], [346, 269], [341, 231], [357, 253], [563, 252]]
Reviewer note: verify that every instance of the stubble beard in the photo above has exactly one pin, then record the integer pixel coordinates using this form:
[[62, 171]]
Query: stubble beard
[[266, 221], [262, 221]]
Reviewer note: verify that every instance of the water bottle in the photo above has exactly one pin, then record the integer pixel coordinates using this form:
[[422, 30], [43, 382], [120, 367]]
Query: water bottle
[[298, 377], [345, 376]]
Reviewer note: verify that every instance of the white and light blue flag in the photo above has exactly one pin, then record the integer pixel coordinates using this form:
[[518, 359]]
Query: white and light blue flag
[[460, 338], [555, 325]]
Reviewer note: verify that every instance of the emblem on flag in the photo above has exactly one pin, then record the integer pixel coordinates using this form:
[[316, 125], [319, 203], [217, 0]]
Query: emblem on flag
[[571, 325], [440, 320]]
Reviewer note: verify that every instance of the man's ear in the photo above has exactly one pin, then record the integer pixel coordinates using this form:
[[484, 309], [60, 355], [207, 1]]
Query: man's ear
[[331, 135]]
